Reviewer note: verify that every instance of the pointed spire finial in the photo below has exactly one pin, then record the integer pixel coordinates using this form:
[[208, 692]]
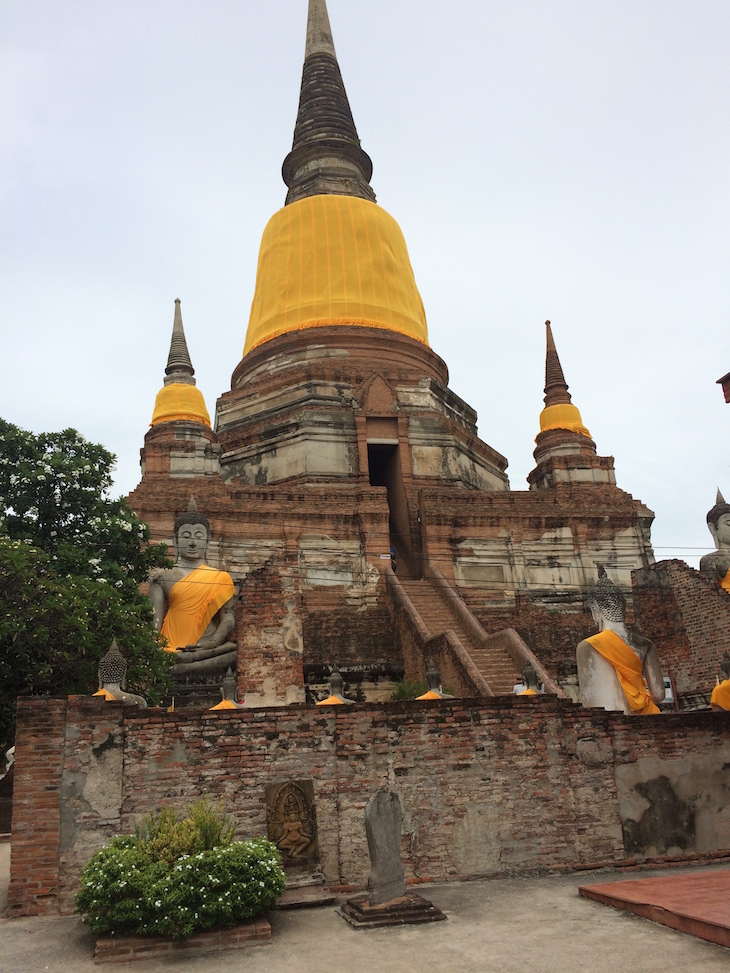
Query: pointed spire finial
[[179, 367], [326, 157], [319, 32], [556, 388], [719, 498]]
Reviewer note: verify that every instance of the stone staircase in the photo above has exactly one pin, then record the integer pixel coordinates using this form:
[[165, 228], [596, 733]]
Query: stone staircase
[[489, 656]]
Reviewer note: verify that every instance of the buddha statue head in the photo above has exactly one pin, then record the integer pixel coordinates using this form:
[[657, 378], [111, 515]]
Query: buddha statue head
[[112, 668], [433, 678], [529, 678], [718, 521], [606, 602], [192, 533]]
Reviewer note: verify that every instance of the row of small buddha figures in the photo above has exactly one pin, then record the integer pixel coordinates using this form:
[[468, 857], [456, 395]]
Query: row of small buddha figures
[[618, 669]]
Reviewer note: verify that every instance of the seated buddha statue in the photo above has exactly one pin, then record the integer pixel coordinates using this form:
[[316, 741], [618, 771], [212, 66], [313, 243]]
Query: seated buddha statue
[[717, 564], [193, 602], [618, 669]]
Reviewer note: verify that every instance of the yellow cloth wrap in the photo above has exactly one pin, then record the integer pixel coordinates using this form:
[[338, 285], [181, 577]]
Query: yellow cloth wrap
[[721, 695], [180, 401], [105, 694], [193, 601], [563, 416], [628, 669], [331, 260], [725, 583], [429, 695], [527, 692], [226, 704], [330, 701]]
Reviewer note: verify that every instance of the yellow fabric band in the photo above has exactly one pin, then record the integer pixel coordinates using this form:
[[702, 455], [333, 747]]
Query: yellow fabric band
[[334, 260], [527, 692], [193, 602], [181, 402], [721, 695], [226, 704], [429, 695], [628, 669], [330, 701], [562, 417], [725, 583]]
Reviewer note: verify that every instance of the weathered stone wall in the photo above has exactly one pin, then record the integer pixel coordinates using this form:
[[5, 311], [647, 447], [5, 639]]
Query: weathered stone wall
[[687, 616], [488, 786]]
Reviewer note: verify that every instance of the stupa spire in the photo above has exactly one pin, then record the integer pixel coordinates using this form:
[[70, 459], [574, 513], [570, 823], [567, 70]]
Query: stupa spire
[[559, 413], [319, 32], [556, 388], [179, 367], [326, 157], [178, 400]]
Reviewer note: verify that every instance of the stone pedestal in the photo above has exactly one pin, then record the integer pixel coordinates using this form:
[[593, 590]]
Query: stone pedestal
[[409, 908]]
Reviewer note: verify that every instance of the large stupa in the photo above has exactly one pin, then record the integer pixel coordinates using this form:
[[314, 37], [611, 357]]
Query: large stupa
[[341, 451]]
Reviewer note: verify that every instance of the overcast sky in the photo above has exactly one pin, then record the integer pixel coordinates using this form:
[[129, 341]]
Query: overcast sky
[[561, 159]]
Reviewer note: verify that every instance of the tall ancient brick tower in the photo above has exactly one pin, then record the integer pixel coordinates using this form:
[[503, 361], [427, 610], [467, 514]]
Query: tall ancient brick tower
[[340, 442]]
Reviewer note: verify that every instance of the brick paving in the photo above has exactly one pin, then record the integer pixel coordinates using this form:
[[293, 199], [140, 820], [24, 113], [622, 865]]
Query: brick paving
[[698, 904]]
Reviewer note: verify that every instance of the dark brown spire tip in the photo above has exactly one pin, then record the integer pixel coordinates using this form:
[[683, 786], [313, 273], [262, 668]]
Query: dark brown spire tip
[[326, 156], [556, 388], [179, 366]]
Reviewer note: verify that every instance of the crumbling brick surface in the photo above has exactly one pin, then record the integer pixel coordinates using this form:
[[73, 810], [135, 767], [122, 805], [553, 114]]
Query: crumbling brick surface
[[687, 616], [494, 786]]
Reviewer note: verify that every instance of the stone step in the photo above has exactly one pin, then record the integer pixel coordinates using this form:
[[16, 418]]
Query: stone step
[[495, 664]]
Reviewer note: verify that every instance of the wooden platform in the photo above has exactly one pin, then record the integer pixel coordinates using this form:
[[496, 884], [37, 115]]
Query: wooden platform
[[698, 904]]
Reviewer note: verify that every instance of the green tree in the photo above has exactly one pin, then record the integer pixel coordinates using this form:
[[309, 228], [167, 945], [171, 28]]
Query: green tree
[[71, 561]]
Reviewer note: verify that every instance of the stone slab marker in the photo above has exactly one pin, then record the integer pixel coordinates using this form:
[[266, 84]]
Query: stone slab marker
[[387, 903], [383, 818]]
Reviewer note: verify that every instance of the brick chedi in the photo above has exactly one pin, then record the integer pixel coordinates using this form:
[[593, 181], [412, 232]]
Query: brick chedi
[[180, 441], [340, 446]]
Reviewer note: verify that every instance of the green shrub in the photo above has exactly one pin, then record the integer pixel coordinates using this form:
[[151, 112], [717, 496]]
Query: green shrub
[[167, 836], [136, 886], [409, 689]]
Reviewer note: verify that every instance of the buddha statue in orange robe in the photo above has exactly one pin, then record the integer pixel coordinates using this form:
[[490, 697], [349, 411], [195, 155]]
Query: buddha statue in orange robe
[[618, 669], [717, 564], [193, 602]]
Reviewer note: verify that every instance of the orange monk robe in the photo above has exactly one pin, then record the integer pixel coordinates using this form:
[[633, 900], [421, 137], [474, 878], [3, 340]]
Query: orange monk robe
[[628, 669], [226, 704], [192, 603], [105, 694], [527, 692], [721, 695], [725, 583]]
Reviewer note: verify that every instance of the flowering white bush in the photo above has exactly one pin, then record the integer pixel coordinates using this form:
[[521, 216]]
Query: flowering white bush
[[133, 887]]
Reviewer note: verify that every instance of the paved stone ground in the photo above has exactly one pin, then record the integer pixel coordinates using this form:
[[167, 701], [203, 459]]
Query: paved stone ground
[[502, 926]]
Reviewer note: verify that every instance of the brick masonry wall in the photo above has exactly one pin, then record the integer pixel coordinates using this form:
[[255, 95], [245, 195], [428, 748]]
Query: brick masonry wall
[[552, 635], [269, 632], [687, 616], [488, 786], [39, 747], [334, 630]]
